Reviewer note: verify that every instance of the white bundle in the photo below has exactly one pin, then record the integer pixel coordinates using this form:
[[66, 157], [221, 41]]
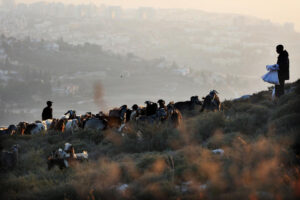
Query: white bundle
[[274, 67], [273, 94], [272, 75]]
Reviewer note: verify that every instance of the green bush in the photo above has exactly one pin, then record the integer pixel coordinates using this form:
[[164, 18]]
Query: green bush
[[293, 106], [206, 124], [286, 123]]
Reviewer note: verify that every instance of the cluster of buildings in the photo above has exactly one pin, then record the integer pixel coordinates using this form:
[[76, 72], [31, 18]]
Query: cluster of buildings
[[195, 40], [76, 11]]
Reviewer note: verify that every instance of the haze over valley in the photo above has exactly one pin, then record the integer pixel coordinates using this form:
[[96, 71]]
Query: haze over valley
[[60, 52]]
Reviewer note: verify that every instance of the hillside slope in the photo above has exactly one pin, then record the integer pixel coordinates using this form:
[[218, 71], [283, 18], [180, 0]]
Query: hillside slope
[[66, 74], [260, 140]]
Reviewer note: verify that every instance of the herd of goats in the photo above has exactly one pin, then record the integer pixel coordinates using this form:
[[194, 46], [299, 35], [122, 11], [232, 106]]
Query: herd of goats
[[118, 117]]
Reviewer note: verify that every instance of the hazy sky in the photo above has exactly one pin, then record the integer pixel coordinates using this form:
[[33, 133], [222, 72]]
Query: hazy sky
[[276, 10]]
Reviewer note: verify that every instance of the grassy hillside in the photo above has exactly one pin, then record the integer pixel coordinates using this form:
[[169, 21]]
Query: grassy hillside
[[260, 139]]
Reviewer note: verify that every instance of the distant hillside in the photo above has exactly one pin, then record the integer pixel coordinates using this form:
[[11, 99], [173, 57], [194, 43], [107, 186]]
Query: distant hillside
[[66, 73], [223, 43]]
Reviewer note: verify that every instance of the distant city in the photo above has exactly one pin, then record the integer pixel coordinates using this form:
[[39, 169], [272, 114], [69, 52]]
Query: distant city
[[71, 46]]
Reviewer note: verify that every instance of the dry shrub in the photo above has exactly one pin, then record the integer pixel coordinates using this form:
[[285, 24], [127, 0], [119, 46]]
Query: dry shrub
[[290, 107], [203, 126], [261, 159], [96, 176]]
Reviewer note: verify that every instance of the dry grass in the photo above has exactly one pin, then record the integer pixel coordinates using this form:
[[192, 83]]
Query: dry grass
[[260, 140]]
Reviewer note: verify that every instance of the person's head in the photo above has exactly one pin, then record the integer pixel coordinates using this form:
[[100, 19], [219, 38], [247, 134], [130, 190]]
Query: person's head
[[279, 48], [161, 102], [213, 93], [49, 103], [123, 107], [135, 107]]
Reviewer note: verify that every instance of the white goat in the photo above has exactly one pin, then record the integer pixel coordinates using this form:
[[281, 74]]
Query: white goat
[[72, 125]]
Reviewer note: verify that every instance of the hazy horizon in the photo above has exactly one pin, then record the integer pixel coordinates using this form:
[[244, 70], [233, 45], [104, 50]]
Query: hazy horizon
[[137, 54], [275, 10]]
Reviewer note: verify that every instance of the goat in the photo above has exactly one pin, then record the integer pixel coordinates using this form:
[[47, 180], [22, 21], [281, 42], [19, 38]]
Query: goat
[[188, 105], [174, 115], [211, 102], [10, 130]]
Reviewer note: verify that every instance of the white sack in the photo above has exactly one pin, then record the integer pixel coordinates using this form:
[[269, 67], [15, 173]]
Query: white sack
[[271, 77], [274, 67], [273, 94]]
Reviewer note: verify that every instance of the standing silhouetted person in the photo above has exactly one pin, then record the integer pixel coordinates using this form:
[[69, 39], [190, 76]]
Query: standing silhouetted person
[[283, 72], [47, 112]]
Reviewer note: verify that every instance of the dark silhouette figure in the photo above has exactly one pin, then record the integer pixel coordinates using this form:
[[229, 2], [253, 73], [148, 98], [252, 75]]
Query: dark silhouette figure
[[151, 108], [283, 72], [211, 102], [188, 105], [162, 110], [47, 112], [161, 104]]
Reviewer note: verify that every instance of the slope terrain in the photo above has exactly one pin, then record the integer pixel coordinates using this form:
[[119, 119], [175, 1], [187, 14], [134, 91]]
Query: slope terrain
[[250, 150]]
